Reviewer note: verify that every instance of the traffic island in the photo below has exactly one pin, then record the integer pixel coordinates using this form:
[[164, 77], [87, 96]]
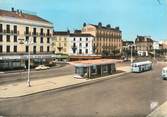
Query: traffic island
[[19, 89]]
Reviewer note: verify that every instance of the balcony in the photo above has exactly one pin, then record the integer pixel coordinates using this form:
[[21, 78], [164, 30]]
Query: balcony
[[48, 34], [9, 32], [34, 33], [27, 33]]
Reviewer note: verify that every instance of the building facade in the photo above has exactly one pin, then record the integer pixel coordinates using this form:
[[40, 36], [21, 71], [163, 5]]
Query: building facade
[[61, 42], [106, 40], [21, 32], [144, 44], [81, 44]]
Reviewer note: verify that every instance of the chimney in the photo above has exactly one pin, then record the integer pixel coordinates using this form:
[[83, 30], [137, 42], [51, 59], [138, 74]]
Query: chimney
[[100, 24], [108, 26], [12, 9], [117, 28], [84, 24]]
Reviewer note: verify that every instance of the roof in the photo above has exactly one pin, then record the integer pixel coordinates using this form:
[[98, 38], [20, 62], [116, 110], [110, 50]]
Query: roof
[[165, 68], [143, 39], [21, 15], [80, 35], [105, 27], [143, 62], [61, 33], [86, 63], [126, 43]]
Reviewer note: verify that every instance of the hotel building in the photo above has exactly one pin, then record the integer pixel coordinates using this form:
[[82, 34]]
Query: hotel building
[[61, 42], [144, 44], [81, 44], [21, 32], [106, 40]]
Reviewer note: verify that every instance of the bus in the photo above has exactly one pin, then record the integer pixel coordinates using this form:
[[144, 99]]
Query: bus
[[141, 66], [164, 73]]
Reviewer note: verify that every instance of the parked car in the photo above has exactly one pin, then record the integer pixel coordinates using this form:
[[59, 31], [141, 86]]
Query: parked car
[[164, 73], [42, 67]]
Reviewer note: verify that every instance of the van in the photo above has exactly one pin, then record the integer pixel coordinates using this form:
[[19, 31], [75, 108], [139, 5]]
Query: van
[[164, 73]]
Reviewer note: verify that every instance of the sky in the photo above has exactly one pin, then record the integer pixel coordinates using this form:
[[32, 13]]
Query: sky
[[134, 17]]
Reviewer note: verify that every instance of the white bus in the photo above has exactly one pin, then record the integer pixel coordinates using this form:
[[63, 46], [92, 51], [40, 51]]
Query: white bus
[[164, 73], [141, 66]]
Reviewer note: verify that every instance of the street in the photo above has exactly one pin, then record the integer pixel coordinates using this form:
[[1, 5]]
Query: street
[[22, 75], [127, 96]]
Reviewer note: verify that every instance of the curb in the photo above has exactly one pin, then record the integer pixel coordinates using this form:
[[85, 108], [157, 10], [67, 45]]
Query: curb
[[97, 80], [159, 111]]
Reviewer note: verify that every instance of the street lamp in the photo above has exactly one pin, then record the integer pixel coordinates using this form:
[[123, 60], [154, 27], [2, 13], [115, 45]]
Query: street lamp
[[131, 52], [28, 42]]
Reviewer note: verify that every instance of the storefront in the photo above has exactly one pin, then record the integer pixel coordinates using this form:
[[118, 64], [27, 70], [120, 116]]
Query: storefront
[[10, 62]]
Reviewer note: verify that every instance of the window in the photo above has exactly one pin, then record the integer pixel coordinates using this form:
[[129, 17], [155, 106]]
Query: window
[[34, 49], [15, 29], [80, 39], [41, 48], [86, 51], [35, 40], [86, 44], [8, 38], [48, 32], [41, 39], [104, 67], [1, 38], [15, 38], [80, 51], [48, 40], [34, 31], [27, 48], [86, 39], [1, 49], [27, 30], [8, 28], [41, 31], [80, 44], [15, 48], [1, 28], [8, 49], [27, 38], [74, 39], [48, 49]]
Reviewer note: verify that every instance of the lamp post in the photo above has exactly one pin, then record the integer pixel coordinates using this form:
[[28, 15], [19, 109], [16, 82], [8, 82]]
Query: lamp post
[[28, 80], [131, 53], [28, 42]]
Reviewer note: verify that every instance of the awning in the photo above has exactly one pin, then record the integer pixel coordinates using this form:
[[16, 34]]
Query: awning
[[25, 57]]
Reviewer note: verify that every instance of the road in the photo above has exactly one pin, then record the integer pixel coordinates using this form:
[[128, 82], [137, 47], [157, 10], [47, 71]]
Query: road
[[62, 69], [22, 75], [127, 96]]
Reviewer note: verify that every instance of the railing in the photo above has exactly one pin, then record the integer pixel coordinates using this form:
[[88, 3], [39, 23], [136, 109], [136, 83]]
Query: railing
[[27, 33]]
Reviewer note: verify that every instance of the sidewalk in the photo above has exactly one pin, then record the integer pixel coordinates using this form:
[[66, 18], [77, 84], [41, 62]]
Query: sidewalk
[[20, 88], [159, 112]]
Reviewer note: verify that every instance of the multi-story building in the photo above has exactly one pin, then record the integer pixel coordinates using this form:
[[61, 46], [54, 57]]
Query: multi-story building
[[106, 40], [21, 32], [144, 44], [81, 44], [61, 42]]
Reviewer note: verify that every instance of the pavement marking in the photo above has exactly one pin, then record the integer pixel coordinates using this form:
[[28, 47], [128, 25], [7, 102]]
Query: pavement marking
[[153, 105]]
